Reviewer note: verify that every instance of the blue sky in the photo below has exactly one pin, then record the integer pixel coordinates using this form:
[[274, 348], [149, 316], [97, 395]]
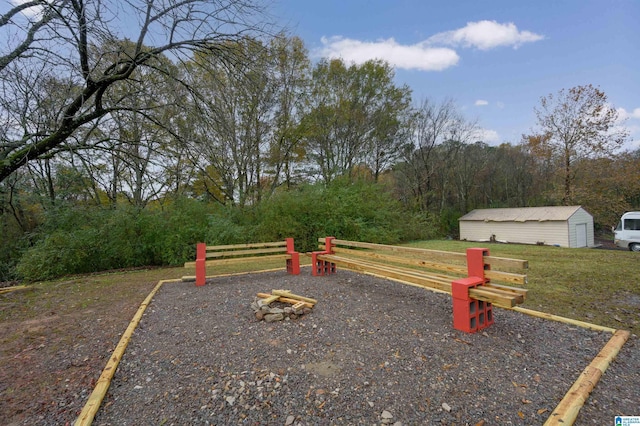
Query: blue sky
[[495, 59]]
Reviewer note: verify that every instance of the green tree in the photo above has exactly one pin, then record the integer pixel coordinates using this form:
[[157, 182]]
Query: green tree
[[355, 115]]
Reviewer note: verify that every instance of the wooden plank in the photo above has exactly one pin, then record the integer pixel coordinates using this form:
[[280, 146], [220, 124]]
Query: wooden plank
[[492, 296], [247, 246], [286, 300], [250, 252], [234, 260], [413, 276], [456, 269], [11, 289], [504, 262], [401, 249], [497, 296], [494, 261], [507, 277], [287, 293], [90, 409], [519, 291], [567, 410]]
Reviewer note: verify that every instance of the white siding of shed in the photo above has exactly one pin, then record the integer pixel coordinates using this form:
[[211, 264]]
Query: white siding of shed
[[530, 232], [580, 216]]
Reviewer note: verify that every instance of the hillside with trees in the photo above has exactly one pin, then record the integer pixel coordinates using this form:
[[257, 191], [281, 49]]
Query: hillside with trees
[[122, 151]]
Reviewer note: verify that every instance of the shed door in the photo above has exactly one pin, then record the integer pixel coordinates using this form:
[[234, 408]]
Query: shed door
[[581, 235]]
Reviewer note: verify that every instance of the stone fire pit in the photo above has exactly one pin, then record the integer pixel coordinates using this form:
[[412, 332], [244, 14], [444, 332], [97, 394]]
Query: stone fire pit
[[281, 305]]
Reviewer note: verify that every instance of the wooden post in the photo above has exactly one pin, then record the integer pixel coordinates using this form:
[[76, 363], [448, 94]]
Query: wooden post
[[201, 268]]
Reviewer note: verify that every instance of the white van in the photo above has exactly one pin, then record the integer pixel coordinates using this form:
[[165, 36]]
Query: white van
[[627, 233]]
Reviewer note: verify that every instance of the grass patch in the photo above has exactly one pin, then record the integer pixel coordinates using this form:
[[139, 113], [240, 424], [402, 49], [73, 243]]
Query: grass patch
[[593, 285]]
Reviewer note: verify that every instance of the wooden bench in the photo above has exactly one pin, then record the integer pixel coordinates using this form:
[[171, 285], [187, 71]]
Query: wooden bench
[[240, 253], [471, 277]]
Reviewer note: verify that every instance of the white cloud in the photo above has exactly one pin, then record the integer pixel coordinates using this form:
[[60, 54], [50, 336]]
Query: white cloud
[[433, 54], [416, 56], [485, 35], [623, 114], [481, 102], [29, 12], [487, 136]]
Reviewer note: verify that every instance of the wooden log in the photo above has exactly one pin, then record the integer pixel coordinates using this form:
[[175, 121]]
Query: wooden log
[[567, 410], [247, 246], [287, 293], [286, 300], [268, 300]]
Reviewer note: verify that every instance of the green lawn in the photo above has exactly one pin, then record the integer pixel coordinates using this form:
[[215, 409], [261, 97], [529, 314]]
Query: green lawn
[[593, 285]]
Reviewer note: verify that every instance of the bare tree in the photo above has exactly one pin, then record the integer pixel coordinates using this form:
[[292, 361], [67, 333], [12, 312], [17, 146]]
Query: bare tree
[[424, 168], [576, 124], [79, 44]]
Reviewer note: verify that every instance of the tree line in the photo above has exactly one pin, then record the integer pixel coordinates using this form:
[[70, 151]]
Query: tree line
[[225, 121]]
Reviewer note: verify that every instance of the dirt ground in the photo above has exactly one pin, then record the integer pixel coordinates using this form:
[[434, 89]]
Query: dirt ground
[[50, 362]]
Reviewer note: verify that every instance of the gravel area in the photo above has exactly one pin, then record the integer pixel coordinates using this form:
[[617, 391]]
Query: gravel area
[[370, 352]]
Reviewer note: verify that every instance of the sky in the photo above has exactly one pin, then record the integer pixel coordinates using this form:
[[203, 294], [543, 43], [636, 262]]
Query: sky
[[494, 59]]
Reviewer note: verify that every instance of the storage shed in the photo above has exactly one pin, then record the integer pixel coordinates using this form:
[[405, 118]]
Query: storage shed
[[564, 226]]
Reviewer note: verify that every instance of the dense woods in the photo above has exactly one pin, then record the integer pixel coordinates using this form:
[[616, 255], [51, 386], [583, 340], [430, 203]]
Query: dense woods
[[129, 154]]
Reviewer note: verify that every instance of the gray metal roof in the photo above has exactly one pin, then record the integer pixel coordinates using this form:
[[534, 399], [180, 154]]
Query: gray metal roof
[[522, 214]]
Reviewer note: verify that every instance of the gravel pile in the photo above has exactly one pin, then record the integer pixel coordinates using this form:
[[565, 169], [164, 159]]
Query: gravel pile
[[371, 352]]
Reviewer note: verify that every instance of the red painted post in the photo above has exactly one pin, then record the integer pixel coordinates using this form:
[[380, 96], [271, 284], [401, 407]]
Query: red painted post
[[321, 267], [471, 315], [329, 267], [317, 265], [466, 314], [328, 245], [475, 263], [293, 264], [201, 268]]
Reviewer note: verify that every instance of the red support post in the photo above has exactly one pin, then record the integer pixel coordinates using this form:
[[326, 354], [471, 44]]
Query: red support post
[[201, 268], [321, 267], [293, 264], [466, 314], [475, 263], [471, 315]]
